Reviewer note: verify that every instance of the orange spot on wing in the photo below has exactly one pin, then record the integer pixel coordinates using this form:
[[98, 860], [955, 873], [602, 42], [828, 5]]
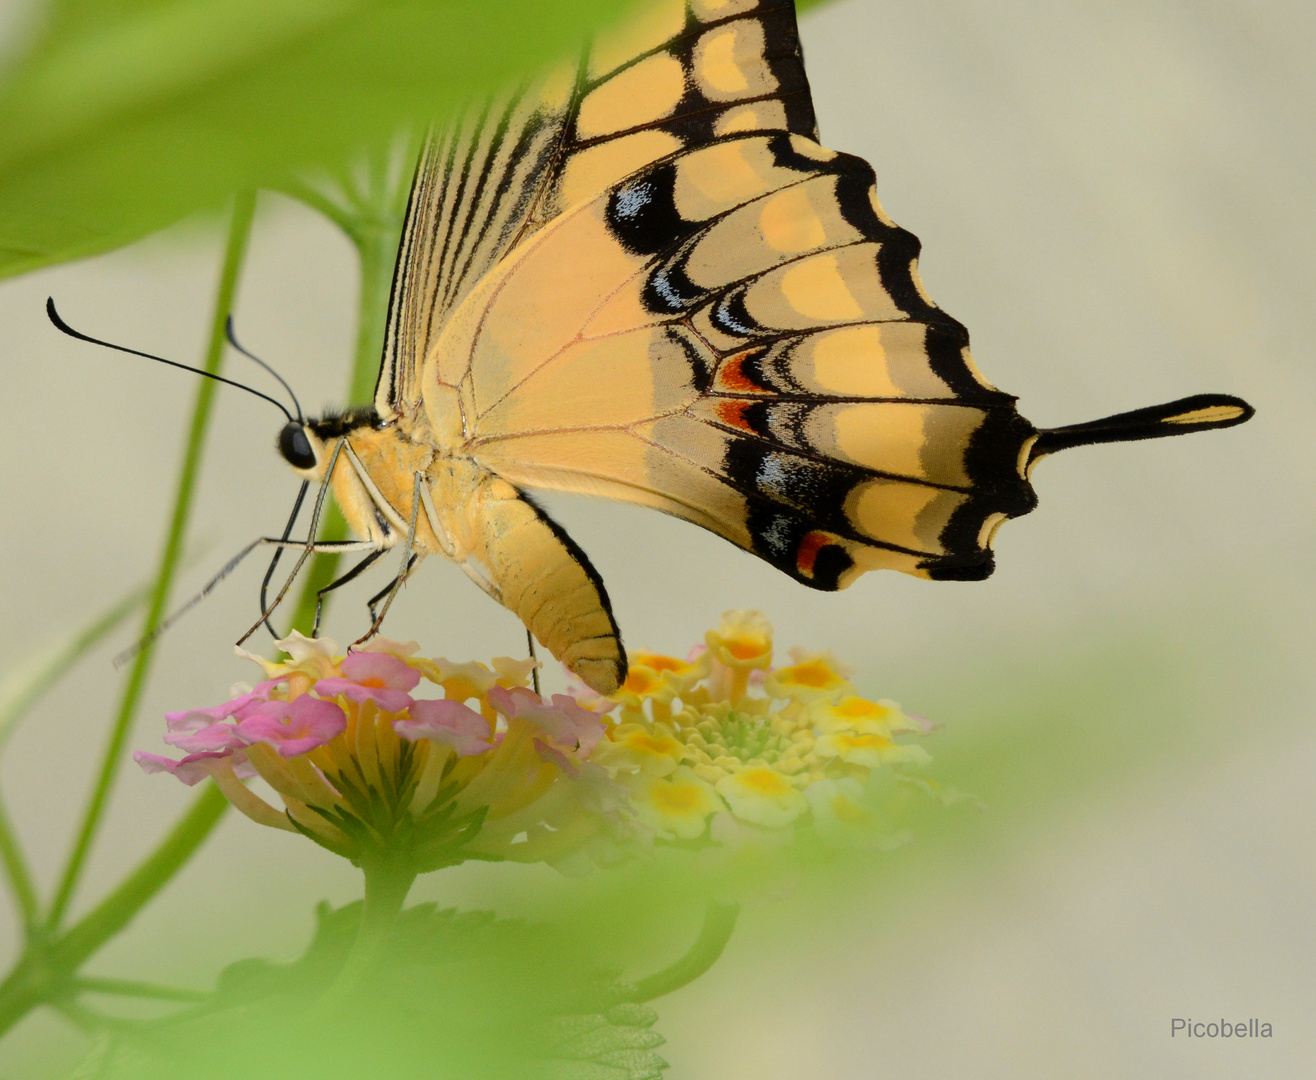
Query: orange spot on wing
[[807, 553], [732, 413], [731, 376]]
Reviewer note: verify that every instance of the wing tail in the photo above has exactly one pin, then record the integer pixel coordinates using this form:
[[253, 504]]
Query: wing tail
[[1201, 412]]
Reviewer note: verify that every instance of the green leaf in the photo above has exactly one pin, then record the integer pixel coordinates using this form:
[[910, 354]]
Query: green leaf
[[455, 995], [122, 118], [21, 687]]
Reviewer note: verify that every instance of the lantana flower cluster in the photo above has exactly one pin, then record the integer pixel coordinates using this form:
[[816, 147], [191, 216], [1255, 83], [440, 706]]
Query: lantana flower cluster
[[724, 748], [369, 769], [717, 750]]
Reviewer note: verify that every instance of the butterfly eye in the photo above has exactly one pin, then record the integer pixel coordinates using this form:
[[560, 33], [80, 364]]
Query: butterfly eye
[[296, 447]]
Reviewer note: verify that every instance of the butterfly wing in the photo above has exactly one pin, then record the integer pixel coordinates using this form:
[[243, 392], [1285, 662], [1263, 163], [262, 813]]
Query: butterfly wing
[[679, 76], [645, 278], [736, 334]]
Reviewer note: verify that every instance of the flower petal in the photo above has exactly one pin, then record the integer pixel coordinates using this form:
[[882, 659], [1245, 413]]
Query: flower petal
[[212, 738], [551, 755], [388, 699], [743, 640], [294, 727], [191, 770], [449, 722], [676, 805], [762, 796], [380, 669], [564, 721], [300, 647], [403, 650], [238, 706]]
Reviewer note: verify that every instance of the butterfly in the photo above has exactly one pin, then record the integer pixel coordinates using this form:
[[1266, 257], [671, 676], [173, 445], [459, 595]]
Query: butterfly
[[643, 277]]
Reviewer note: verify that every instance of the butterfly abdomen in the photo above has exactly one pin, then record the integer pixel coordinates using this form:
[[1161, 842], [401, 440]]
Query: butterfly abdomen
[[542, 576]]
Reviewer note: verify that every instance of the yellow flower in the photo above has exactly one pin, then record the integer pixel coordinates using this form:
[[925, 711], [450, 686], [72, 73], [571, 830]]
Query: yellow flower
[[309, 659], [743, 640], [867, 750], [677, 805], [471, 679], [858, 714], [762, 796], [812, 676], [652, 675], [844, 815], [762, 744], [640, 748]]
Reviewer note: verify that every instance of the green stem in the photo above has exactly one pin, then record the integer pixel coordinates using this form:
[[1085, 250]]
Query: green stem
[[387, 884], [375, 236], [17, 873], [113, 913], [377, 246], [133, 988], [244, 208], [719, 921], [44, 972]]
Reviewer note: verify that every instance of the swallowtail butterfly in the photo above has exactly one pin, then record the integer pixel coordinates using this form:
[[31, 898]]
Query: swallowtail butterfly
[[643, 277]]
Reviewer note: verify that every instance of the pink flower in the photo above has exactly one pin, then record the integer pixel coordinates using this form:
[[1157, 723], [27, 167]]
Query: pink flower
[[239, 707], [196, 767], [294, 727], [213, 738], [372, 676], [565, 722], [447, 721]]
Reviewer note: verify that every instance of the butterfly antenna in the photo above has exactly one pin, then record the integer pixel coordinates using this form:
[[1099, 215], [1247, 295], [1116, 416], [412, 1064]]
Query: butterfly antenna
[[65, 328], [232, 340]]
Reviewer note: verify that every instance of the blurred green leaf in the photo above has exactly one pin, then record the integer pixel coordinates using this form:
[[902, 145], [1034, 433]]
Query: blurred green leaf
[[22, 686], [460, 994], [124, 117]]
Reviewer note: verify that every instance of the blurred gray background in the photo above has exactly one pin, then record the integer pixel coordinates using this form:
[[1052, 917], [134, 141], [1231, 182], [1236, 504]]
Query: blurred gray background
[[1115, 198]]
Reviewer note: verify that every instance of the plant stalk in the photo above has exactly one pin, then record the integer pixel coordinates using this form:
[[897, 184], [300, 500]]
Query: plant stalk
[[17, 873], [719, 922], [44, 973], [388, 880], [244, 209]]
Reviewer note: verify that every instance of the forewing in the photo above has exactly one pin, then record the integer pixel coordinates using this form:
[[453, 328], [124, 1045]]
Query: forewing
[[677, 77]]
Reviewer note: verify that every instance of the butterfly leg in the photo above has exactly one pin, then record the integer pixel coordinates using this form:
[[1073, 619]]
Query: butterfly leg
[[279, 542], [310, 546], [534, 671], [409, 560], [337, 583], [383, 593], [278, 551]]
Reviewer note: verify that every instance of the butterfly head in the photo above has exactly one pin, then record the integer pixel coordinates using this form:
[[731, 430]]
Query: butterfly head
[[297, 447], [307, 444]]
